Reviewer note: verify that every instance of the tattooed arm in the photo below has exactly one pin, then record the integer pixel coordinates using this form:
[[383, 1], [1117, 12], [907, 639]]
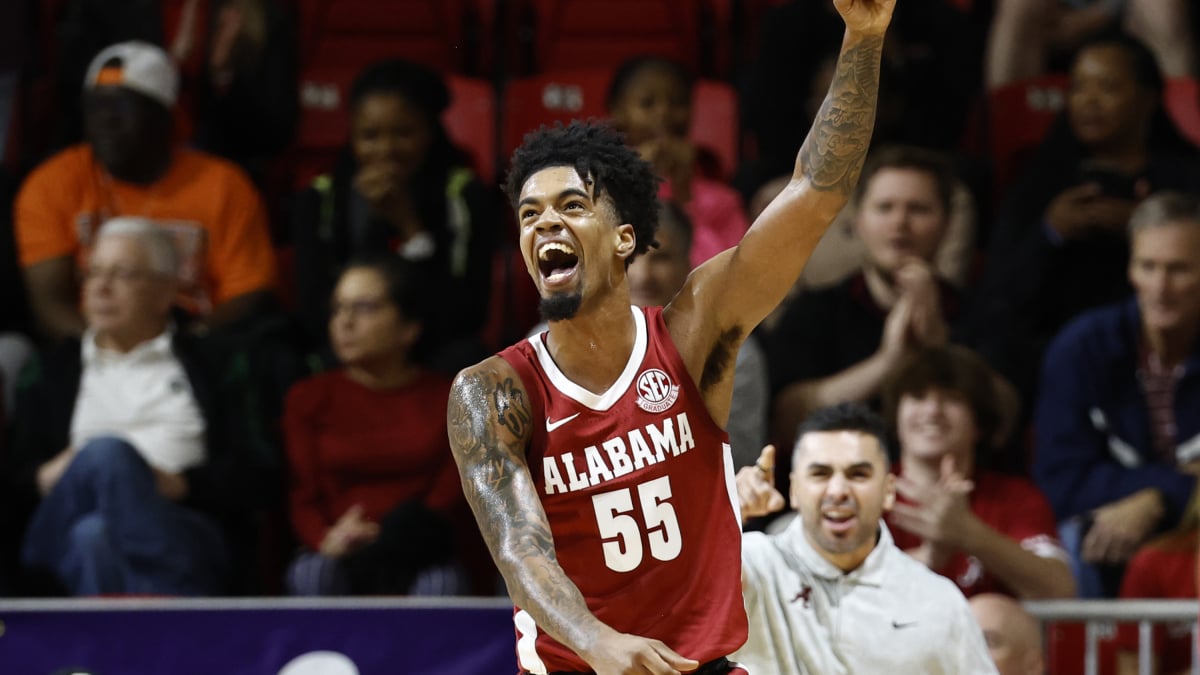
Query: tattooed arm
[[489, 425], [736, 289]]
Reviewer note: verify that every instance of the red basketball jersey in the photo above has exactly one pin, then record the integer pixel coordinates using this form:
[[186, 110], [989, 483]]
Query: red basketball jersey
[[637, 483]]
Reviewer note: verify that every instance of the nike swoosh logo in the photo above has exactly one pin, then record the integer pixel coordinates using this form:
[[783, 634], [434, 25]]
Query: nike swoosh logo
[[551, 426], [897, 625]]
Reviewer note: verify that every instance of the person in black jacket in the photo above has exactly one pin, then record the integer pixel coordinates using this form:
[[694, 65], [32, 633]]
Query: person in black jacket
[[401, 187], [126, 451]]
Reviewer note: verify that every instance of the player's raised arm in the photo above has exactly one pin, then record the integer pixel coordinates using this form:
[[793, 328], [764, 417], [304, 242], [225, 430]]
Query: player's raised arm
[[743, 285], [489, 421]]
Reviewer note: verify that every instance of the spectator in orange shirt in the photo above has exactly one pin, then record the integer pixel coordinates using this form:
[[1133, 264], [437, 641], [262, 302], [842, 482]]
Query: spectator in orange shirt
[[128, 167]]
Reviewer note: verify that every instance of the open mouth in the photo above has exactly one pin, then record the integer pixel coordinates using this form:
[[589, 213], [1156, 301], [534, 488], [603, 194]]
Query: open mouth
[[557, 262], [839, 521]]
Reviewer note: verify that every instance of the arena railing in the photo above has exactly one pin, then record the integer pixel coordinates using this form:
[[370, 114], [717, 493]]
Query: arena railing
[[1146, 613]]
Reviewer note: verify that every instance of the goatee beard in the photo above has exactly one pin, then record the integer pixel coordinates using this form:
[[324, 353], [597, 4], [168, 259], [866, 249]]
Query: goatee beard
[[560, 306]]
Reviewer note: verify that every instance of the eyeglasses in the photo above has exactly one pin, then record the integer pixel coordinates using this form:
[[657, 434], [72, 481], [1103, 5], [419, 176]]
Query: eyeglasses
[[357, 308], [124, 275]]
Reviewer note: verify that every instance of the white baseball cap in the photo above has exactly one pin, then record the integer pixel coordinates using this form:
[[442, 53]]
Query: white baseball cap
[[140, 66]]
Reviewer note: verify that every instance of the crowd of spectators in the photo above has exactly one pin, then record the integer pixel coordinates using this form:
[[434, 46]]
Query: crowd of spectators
[[214, 380]]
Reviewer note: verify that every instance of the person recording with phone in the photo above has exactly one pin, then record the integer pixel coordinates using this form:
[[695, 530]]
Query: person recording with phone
[[1059, 245]]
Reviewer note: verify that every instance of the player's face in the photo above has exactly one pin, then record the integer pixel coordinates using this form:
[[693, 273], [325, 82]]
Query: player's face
[[1105, 103], [573, 242], [122, 294], [1164, 269], [935, 423], [658, 274], [900, 217], [841, 487], [387, 129], [654, 104], [365, 326]]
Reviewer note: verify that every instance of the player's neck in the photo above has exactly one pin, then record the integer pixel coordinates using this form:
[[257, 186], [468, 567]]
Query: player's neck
[[592, 347]]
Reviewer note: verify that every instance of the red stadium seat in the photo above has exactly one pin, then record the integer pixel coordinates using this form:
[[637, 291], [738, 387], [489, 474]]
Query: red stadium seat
[[1018, 116], [354, 33], [1182, 101], [471, 122], [579, 94], [602, 33], [715, 122], [324, 120], [530, 102]]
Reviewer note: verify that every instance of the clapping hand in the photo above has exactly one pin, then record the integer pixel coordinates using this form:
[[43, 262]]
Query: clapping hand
[[939, 513], [917, 281]]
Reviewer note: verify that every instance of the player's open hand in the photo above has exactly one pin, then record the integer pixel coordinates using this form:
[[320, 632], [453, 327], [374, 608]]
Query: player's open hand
[[867, 17], [625, 654], [757, 495]]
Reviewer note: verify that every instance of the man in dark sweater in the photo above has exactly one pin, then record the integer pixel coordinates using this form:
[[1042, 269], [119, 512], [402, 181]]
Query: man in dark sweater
[[1116, 430]]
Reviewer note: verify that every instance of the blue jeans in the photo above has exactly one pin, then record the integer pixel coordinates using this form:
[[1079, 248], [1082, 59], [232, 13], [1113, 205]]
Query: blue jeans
[[1092, 580], [104, 528]]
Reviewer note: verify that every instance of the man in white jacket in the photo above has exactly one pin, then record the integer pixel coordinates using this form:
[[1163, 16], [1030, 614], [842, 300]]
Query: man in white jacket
[[832, 594]]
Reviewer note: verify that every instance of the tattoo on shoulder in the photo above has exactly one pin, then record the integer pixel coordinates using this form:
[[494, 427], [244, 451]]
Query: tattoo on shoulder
[[475, 437], [834, 152], [464, 412], [512, 410]]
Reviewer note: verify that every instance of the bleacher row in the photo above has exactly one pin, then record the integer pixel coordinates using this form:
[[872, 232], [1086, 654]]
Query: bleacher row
[[515, 64], [522, 63], [490, 125]]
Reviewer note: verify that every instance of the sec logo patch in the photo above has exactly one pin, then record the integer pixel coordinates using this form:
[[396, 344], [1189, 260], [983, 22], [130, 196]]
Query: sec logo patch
[[656, 391]]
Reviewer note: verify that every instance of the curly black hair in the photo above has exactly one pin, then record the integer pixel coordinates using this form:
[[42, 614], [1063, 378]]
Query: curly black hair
[[598, 154]]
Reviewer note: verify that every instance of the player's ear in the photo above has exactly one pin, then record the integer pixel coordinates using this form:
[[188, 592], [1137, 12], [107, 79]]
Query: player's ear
[[626, 240]]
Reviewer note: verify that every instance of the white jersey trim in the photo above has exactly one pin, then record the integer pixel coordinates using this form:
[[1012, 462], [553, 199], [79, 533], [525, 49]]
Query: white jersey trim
[[730, 481], [603, 401], [527, 643]]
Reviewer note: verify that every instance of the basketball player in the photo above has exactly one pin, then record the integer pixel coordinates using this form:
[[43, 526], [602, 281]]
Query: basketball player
[[594, 455]]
